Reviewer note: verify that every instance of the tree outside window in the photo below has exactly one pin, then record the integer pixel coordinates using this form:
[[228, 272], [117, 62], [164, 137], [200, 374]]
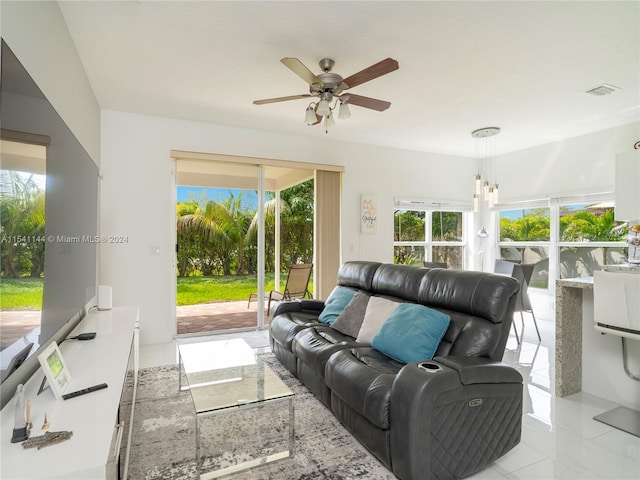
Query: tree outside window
[[524, 237], [437, 236], [588, 237]]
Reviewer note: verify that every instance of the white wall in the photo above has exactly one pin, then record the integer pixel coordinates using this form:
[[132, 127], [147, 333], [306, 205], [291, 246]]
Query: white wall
[[137, 197], [37, 34], [584, 164]]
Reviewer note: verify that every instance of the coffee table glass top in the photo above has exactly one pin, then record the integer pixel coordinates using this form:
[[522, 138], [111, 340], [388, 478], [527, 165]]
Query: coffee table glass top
[[228, 373]]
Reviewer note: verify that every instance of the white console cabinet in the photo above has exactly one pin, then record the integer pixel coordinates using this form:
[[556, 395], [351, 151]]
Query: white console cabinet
[[100, 432]]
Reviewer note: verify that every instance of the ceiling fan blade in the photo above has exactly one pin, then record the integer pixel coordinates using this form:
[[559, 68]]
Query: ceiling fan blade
[[280, 99], [299, 68], [368, 102], [374, 71]]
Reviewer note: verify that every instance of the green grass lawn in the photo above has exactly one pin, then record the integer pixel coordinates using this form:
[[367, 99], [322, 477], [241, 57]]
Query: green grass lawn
[[194, 290], [26, 293], [21, 294]]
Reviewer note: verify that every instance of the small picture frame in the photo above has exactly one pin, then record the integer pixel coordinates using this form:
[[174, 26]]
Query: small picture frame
[[55, 370]]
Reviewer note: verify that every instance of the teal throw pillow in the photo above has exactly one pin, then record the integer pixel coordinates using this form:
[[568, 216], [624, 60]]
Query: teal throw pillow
[[339, 298], [412, 333]]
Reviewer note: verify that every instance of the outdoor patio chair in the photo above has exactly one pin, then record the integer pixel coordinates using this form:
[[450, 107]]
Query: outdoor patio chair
[[297, 285], [522, 273]]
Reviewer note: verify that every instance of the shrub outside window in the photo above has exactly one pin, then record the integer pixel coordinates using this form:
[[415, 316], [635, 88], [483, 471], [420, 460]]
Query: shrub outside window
[[525, 234], [589, 238], [570, 239], [422, 235]]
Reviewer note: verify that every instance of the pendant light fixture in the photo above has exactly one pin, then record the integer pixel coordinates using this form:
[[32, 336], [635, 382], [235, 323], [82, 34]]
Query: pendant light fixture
[[485, 186]]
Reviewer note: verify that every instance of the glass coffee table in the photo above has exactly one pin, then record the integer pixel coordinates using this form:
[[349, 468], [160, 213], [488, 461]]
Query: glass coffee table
[[228, 375]]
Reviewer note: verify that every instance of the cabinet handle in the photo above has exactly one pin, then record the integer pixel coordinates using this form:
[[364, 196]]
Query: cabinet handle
[[116, 449]]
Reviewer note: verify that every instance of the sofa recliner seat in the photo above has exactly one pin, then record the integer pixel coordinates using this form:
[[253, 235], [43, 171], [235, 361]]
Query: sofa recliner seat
[[443, 418]]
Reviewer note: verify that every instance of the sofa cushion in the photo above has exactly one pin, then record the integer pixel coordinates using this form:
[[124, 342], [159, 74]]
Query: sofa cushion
[[315, 345], [412, 332], [283, 328], [350, 319], [339, 298], [378, 311], [363, 378]]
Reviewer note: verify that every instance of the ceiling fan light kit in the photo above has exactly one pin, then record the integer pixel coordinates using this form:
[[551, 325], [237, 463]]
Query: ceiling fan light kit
[[327, 86]]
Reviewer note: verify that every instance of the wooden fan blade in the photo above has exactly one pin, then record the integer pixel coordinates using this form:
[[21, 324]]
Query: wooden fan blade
[[368, 102], [299, 68], [374, 71], [280, 99]]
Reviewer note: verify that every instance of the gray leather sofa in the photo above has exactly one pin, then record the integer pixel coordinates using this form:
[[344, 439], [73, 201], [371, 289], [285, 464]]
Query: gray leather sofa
[[448, 417]]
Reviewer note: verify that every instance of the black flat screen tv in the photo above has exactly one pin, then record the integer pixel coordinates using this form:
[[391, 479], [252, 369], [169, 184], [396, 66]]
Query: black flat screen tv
[[71, 211]]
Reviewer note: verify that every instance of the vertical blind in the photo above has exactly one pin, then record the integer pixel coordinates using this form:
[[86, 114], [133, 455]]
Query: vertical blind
[[326, 231]]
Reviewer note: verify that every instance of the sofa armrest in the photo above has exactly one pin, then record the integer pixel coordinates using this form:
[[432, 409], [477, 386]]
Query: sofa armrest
[[300, 305], [473, 370], [453, 401]]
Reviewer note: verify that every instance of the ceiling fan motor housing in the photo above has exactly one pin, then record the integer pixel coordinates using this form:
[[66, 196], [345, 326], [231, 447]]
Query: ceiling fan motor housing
[[326, 64]]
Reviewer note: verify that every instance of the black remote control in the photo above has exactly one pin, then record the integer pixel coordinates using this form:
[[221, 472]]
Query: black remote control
[[77, 393]]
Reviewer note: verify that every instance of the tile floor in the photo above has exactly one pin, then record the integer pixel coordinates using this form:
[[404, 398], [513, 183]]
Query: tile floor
[[560, 439]]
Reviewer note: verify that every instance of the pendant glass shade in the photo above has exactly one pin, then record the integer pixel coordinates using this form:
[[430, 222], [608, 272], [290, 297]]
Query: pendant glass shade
[[485, 185], [482, 233], [344, 112], [323, 108], [310, 116]]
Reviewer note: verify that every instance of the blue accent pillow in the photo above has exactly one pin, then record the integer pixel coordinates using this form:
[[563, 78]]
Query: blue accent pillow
[[334, 305], [412, 333]]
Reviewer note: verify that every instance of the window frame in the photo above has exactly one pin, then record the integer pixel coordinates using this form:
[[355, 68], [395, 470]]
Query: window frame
[[428, 242], [554, 245]]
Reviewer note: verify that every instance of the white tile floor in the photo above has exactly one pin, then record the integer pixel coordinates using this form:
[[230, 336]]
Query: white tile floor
[[560, 439]]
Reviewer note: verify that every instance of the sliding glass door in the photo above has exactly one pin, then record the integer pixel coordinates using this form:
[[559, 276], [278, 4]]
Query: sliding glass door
[[220, 246]]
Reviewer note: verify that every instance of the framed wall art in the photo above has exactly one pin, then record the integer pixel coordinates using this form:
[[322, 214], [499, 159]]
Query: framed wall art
[[368, 213]]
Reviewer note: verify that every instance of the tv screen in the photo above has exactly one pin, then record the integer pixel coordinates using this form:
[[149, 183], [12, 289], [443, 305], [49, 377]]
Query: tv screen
[[49, 188]]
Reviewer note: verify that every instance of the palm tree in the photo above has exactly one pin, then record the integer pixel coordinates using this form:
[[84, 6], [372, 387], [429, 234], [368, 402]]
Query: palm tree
[[586, 226], [296, 235], [22, 215], [224, 225], [528, 228]]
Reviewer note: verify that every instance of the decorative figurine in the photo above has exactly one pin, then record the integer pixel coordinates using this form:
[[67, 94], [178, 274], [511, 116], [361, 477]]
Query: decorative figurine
[[46, 424], [20, 430], [49, 438]]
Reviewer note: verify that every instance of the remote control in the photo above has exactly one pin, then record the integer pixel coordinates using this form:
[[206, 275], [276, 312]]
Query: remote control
[[77, 393]]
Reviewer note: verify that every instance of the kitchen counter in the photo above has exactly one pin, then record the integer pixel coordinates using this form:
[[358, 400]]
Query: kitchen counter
[[569, 293], [587, 360]]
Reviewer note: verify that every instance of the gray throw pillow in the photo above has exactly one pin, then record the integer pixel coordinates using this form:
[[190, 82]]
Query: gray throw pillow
[[350, 319]]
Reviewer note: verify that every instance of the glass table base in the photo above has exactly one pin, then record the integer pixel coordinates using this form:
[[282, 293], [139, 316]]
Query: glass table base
[[228, 376], [263, 460]]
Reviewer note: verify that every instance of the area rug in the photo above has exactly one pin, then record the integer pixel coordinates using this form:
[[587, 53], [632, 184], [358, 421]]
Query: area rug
[[163, 440]]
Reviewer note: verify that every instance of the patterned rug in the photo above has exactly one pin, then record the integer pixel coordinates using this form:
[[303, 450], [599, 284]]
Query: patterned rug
[[163, 445]]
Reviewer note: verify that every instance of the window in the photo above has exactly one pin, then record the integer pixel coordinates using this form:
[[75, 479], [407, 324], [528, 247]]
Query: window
[[525, 234], [568, 239], [589, 238], [422, 235]]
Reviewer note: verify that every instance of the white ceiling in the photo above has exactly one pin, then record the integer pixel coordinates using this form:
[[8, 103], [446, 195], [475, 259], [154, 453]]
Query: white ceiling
[[520, 66]]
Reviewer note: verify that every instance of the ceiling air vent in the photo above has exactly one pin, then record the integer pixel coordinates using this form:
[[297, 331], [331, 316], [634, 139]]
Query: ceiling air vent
[[604, 89]]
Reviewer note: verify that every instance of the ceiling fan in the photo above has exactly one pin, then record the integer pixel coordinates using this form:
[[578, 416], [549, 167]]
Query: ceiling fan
[[327, 86]]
